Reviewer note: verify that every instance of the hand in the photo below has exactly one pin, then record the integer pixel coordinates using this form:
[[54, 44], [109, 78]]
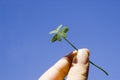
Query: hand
[[75, 66]]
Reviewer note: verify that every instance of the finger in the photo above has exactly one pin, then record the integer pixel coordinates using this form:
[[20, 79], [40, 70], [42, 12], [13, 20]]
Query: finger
[[60, 69], [80, 66]]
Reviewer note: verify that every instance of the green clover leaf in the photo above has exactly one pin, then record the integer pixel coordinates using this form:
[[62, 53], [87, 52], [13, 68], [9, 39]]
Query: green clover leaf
[[59, 33]]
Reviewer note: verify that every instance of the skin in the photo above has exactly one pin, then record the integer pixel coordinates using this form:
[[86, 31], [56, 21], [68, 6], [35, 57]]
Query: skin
[[75, 66]]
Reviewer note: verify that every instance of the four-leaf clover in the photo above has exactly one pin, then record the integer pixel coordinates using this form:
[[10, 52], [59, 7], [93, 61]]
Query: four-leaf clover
[[59, 33]]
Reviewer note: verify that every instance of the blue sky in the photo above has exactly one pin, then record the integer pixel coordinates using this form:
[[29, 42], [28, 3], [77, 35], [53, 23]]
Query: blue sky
[[25, 48]]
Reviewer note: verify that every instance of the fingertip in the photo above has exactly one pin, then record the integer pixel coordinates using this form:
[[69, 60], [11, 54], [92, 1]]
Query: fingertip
[[83, 56], [71, 55], [85, 50]]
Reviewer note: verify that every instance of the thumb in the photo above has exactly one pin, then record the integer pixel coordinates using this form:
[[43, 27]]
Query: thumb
[[80, 66]]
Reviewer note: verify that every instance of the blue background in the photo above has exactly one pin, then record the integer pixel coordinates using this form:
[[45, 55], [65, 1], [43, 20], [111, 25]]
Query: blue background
[[25, 48]]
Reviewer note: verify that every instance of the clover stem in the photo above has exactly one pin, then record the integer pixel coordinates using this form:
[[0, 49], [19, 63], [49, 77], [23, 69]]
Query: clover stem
[[89, 60], [99, 67], [71, 44]]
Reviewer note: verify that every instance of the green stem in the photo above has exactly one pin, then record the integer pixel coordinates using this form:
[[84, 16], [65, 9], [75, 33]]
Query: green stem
[[89, 60], [99, 67], [71, 44]]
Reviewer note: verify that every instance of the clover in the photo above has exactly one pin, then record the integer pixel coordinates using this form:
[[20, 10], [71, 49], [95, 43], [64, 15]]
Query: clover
[[60, 33]]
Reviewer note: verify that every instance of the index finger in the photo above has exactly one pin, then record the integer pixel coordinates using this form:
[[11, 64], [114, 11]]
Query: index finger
[[59, 70]]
